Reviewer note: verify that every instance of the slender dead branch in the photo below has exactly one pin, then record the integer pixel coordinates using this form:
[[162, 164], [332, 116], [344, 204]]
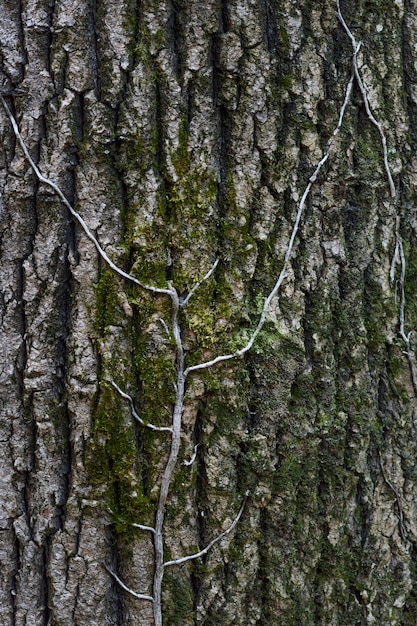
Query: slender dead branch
[[204, 551], [140, 596], [399, 256], [355, 74], [74, 213], [396, 255], [143, 527], [193, 457], [403, 531], [181, 371], [404, 336], [164, 326], [378, 125], [136, 415], [284, 271], [197, 285], [172, 460]]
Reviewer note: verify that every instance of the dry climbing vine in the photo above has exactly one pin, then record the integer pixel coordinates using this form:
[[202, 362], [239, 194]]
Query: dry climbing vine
[[183, 369]]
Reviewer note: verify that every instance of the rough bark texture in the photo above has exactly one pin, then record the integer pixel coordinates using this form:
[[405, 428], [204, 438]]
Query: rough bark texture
[[183, 131]]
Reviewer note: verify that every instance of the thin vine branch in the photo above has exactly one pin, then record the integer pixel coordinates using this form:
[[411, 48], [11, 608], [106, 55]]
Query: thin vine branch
[[355, 74], [74, 213], [172, 459], [399, 250], [192, 291], [204, 551], [193, 457], [378, 125], [399, 257], [143, 527], [140, 596], [177, 303], [134, 412], [283, 274], [403, 531]]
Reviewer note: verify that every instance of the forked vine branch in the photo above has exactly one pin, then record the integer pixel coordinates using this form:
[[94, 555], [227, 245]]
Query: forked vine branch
[[175, 330]]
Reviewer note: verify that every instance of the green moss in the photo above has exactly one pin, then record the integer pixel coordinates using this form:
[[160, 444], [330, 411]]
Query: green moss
[[178, 599], [189, 206], [107, 302], [227, 417], [120, 457], [112, 463], [188, 198], [408, 617], [152, 361], [157, 390], [397, 366], [379, 310], [149, 265], [57, 414], [410, 285], [146, 44], [181, 160]]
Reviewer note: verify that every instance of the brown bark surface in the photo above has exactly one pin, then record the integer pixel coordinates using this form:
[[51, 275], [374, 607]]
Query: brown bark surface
[[184, 131]]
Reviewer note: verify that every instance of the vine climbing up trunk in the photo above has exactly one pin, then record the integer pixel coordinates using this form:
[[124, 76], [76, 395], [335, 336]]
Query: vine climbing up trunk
[[208, 271]]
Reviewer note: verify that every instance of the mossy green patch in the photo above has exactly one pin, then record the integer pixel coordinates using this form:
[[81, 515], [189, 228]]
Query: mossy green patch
[[153, 359], [111, 461], [182, 159], [107, 302], [178, 599], [410, 285], [379, 310]]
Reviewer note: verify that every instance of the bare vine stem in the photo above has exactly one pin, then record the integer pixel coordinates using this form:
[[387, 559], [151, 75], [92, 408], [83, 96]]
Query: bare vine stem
[[171, 463], [139, 596], [50, 183], [143, 527], [399, 257], [356, 47], [283, 274], [183, 302], [204, 551], [136, 414], [175, 429], [193, 457], [181, 370], [403, 531]]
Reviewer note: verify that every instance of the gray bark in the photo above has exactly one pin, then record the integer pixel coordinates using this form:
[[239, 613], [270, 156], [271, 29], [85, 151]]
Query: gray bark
[[182, 132]]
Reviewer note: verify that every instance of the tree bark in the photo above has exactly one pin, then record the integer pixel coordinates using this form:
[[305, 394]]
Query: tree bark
[[184, 132]]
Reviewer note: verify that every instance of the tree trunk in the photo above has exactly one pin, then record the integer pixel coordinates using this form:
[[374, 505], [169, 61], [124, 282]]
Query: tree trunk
[[183, 132]]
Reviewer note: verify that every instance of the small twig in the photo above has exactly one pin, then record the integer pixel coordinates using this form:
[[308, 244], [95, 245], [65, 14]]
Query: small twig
[[171, 462], [136, 415], [406, 337], [74, 213], [378, 125], [140, 596], [396, 255], [312, 180], [403, 531], [197, 555], [183, 302], [164, 326], [193, 458], [402, 289], [142, 527], [283, 274]]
